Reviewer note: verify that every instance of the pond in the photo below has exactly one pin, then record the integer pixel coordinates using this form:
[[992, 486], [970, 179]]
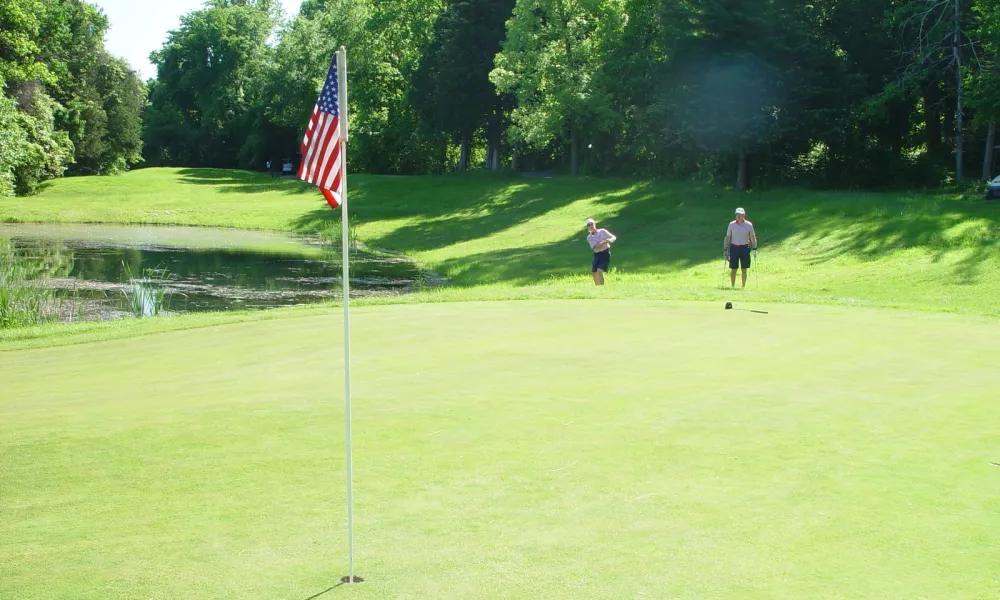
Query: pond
[[102, 272]]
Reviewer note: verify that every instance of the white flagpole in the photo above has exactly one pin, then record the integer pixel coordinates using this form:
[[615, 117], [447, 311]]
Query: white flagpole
[[342, 99]]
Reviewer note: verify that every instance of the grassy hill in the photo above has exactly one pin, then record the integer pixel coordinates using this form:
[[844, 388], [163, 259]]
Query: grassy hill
[[510, 237]]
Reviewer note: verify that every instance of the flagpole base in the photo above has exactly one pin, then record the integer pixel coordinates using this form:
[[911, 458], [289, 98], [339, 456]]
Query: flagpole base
[[347, 579]]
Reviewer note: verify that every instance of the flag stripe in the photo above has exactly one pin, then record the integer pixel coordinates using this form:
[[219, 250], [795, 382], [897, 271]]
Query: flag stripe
[[332, 165], [317, 149], [325, 142]]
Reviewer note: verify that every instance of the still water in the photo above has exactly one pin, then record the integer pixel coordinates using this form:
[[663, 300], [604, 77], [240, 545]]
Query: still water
[[93, 268]]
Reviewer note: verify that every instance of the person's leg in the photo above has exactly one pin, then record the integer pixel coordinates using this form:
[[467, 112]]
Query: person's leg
[[601, 262], [734, 261], [742, 261]]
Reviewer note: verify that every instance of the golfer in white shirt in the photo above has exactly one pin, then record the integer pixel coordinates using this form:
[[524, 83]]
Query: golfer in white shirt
[[740, 240], [600, 241]]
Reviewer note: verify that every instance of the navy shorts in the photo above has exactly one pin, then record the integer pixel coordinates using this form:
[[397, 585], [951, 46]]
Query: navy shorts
[[739, 256], [601, 261]]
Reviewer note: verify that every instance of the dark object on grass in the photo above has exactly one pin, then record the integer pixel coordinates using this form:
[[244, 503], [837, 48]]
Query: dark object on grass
[[729, 306]]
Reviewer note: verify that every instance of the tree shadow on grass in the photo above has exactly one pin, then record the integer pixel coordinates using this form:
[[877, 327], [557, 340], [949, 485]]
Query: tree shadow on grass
[[869, 227], [455, 213], [672, 227], [228, 181], [662, 226]]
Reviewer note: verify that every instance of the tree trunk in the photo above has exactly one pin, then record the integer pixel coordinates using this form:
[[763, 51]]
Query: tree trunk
[[494, 133], [932, 119], [991, 135], [513, 157], [959, 141], [463, 157], [574, 153], [743, 171]]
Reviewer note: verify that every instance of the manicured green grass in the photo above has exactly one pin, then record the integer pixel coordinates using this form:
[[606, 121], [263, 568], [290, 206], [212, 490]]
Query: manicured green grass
[[512, 237], [537, 448], [556, 449]]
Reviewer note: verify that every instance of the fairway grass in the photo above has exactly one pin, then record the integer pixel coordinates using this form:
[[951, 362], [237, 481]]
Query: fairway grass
[[533, 449], [501, 237]]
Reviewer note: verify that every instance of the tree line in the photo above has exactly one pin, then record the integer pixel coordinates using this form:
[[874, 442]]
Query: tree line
[[845, 93], [67, 107]]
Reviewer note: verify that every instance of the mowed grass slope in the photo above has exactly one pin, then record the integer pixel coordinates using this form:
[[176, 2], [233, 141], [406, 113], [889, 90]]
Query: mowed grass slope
[[558, 449], [497, 237]]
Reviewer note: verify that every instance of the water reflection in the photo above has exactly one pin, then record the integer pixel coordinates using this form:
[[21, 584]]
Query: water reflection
[[101, 267]]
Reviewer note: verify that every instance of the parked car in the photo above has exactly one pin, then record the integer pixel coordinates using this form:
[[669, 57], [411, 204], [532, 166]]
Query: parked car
[[993, 189]]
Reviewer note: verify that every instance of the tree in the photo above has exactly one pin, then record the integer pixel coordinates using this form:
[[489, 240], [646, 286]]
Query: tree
[[13, 142], [208, 76], [20, 22], [939, 46], [48, 150], [746, 75], [984, 92], [553, 61], [451, 90]]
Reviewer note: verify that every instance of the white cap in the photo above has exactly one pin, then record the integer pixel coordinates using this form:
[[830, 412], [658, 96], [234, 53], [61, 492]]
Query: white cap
[[740, 211], [588, 223]]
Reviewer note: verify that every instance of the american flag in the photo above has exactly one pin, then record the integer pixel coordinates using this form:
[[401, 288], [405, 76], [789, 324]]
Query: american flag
[[322, 150]]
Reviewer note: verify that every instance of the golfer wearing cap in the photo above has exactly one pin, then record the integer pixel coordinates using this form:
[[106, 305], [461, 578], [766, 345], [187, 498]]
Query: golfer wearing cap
[[600, 241], [740, 239]]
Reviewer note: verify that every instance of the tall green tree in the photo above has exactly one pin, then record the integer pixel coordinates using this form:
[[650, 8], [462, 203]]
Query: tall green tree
[[20, 22], [208, 76], [984, 88], [13, 142], [386, 133], [745, 77], [553, 61], [451, 90], [293, 79]]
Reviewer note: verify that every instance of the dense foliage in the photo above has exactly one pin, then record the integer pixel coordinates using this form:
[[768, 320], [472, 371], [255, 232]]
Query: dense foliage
[[66, 105], [855, 93]]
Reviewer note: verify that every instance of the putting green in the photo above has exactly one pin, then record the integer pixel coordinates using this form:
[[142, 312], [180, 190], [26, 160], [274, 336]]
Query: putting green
[[559, 449]]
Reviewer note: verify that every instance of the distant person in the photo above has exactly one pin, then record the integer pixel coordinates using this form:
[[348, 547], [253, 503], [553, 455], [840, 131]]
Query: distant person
[[600, 241], [268, 165], [740, 240]]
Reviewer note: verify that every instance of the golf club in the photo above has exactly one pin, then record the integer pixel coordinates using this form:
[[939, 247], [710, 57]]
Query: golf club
[[729, 306], [756, 273]]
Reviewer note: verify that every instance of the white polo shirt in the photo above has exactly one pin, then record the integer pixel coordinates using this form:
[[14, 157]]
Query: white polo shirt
[[740, 233], [601, 235]]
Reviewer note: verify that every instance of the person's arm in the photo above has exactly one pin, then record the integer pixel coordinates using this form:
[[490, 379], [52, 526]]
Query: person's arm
[[725, 243], [753, 237], [606, 239]]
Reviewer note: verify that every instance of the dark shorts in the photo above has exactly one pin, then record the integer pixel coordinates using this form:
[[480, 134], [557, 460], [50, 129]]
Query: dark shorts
[[601, 261], [739, 257]]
